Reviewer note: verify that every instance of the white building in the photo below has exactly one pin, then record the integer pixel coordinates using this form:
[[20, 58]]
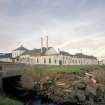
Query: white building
[[54, 57], [18, 52], [51, 56]]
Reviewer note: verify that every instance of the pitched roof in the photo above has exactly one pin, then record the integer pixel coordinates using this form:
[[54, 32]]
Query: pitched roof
[[36, 52], [21, 48], [81, 55], [65, 53]]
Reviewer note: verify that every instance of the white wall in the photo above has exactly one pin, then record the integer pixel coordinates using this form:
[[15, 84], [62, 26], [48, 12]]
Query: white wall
[[5, 59], [17, 53], [66, 60]]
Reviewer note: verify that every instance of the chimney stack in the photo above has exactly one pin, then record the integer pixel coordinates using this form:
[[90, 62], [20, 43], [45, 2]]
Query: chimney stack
[[47, 42], [41, 44]]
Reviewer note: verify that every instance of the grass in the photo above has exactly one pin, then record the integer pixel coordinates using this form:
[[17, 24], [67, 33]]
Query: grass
[[7, 101], [40, 70], [63, 68]]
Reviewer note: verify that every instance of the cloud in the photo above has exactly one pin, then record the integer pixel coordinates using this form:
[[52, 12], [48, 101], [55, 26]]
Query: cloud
[[71, 25]]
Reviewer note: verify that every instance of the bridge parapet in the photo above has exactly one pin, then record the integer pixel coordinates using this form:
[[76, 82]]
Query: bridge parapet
[[11, 69]]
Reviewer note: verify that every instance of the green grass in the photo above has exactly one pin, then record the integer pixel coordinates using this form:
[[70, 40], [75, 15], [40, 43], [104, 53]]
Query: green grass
[[7, 101], [41, 70], [65, 68], [61, 68]]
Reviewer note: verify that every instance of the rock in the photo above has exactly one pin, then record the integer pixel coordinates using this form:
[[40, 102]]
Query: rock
[[81, 85], [91, 91], [81, 95]]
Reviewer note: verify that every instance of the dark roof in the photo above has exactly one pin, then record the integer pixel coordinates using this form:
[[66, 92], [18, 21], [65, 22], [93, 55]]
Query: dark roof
[[36, 52], [21, 48], [81, 55], [64, 53]]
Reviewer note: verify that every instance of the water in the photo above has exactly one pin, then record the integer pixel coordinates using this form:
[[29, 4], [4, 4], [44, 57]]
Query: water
[[40, 102]]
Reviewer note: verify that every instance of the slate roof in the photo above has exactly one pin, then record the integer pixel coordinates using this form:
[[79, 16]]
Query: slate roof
[[81, 55], [64, 53], [21, 48], [35, 52]]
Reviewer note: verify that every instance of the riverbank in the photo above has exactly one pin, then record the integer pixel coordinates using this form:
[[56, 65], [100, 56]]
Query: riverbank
[[61, 85], [85, 86]]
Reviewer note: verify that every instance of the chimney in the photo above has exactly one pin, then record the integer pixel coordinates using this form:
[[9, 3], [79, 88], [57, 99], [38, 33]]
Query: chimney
[[41, 44], [47, 42]]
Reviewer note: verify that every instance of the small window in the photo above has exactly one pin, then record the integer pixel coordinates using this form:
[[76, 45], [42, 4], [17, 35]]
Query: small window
[[37, 60], [60, 62], [49, 60], [44, 60], [55, 61], [0, 67], [72, 61]]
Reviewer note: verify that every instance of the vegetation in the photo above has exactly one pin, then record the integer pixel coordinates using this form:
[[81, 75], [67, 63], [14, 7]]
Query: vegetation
[[7, 101], [43, 70], [67, 83]]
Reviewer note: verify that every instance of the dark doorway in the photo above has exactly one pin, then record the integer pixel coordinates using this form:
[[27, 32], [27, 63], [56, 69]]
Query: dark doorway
[[60, 62]]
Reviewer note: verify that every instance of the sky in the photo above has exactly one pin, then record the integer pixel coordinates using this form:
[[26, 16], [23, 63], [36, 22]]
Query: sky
[[71, 25]]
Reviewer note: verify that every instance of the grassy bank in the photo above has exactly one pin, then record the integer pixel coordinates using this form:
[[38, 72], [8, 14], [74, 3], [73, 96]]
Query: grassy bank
[[60, 83], [41, 70], [7, 101]]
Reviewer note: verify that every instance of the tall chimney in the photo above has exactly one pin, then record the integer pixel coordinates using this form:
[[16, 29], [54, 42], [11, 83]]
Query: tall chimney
[[41, 44], [47, 42]]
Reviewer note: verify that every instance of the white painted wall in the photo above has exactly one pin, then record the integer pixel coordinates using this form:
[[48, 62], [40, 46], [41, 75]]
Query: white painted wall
[[17, 53], [5, 60], [55, 59]]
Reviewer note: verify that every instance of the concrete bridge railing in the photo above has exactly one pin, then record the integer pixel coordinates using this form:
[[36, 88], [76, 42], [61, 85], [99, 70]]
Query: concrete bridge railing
[[11, 69]]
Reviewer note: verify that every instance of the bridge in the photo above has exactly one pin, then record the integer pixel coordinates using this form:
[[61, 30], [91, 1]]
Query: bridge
[[8, 70]]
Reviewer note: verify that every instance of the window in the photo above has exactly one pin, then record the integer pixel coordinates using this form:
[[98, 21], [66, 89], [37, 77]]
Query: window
[[55, 61], [60, 62], [44, 60], [0, 67], [37, 60], [49, 60], [72, 61], [75, 61]]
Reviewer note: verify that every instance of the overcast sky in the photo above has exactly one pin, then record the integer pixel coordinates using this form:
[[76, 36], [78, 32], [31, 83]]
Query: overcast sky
[[71, 25]]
